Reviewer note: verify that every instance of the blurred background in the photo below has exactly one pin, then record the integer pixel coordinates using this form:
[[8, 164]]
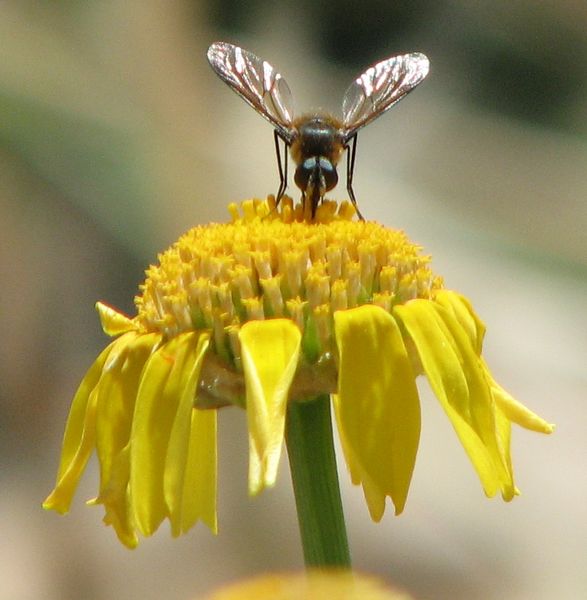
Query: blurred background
[[116, 137]]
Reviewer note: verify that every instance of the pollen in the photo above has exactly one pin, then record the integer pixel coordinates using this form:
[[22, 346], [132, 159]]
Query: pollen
[[273, 262]]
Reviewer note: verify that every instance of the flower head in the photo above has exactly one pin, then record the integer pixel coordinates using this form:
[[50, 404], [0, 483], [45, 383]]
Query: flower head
[[271, 309]]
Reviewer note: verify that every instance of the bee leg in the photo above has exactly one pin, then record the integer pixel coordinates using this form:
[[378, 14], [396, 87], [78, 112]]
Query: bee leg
[[350, 167], [282, 168]]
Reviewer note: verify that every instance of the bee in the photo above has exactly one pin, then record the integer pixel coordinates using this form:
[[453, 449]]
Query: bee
[[316, 141]]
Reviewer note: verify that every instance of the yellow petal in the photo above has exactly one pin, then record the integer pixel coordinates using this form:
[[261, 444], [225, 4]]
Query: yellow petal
[[515, 411], [462, 310], [61, 496], [117, 391], [504, 433], [199, 488], [485, 416], [190, 468], [116, 499], [377, 406], [79, 438], [113, 322], [449, 364], [270, 351], [156, 406]]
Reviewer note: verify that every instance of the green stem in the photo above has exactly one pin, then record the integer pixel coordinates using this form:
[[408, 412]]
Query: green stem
[[315, 481]]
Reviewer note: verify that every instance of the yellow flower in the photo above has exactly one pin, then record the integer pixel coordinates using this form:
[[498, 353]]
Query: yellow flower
[[271, 309], [312, 585]]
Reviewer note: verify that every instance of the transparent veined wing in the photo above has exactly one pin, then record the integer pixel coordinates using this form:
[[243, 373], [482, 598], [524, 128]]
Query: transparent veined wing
[[379, 88], [256, 81]]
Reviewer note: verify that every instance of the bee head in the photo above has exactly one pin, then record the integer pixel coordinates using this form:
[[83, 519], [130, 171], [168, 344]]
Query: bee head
[[316, 172]]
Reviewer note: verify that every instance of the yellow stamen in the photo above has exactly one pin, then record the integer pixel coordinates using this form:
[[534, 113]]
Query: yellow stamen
[[268, 262]]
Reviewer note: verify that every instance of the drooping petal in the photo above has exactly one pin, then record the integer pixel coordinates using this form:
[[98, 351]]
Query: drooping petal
[[80, 431], [199, 488], [463, 312], [456, 377], [116, 499], [190, 468], [62, 495], [270, 351], [504, 433], [117, 392], [514, 410], [377, 406], [156, 406]]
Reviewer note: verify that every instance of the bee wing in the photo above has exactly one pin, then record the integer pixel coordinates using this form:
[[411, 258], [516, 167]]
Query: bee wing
[[256, 81], [379, 88]]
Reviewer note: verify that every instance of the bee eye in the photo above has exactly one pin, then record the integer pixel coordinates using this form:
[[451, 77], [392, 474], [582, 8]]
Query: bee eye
[[329, 173], [304, 172], [319, 171]]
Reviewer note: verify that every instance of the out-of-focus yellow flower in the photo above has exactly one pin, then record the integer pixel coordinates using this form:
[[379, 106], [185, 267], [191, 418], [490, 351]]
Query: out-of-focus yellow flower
[[313, 585], [264, 310]]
